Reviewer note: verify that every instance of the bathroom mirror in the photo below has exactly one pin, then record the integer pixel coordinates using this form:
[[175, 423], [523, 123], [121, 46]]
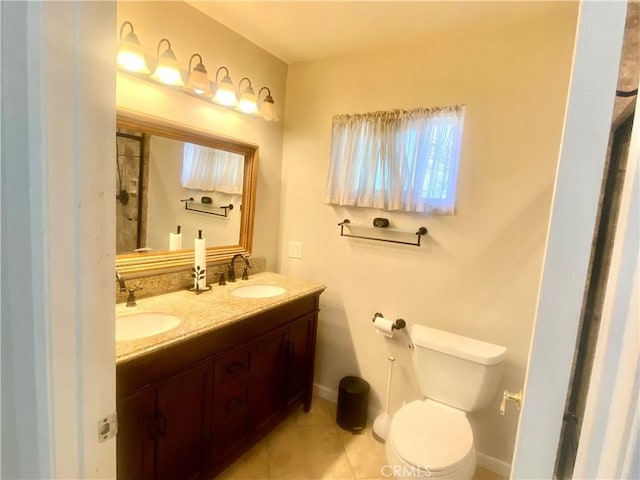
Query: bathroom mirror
[[164, 179]]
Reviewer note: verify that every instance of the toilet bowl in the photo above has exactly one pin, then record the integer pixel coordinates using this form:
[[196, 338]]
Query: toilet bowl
[[430, 440]]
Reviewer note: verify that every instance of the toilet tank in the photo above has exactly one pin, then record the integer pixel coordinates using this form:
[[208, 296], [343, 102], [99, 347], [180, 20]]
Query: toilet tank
[[458, 371]]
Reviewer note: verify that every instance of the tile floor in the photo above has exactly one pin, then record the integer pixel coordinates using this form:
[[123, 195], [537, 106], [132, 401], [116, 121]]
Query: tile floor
[[311, 446]]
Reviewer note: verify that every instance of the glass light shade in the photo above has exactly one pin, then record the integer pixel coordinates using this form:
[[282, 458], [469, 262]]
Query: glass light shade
[[168, 70], [247, 102], [225, 93], [199, 81], [267, 110], [130, 56]]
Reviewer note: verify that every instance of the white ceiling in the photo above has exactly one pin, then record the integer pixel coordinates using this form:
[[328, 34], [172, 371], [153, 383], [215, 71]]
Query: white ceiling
[[296, 31]]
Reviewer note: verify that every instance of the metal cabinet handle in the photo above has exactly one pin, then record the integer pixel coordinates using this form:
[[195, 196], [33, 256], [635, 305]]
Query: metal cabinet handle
[[152, 427], [162, 425], [156, 426]]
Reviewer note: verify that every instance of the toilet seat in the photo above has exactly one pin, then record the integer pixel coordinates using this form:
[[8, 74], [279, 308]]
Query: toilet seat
[[432, 435]]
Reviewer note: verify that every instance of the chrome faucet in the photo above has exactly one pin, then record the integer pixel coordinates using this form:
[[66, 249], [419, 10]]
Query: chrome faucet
[[232, 271], [131, 299]]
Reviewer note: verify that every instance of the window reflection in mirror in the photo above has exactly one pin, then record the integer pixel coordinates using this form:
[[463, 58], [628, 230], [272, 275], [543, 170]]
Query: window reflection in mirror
[[159, 166], [156, 175]]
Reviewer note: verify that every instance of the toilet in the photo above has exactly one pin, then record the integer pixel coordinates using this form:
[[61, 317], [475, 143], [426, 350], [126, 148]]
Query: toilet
[[432, 438]]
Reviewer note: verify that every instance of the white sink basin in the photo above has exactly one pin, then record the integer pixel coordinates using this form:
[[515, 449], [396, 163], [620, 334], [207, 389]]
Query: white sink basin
[[258, 291], [140, 325]]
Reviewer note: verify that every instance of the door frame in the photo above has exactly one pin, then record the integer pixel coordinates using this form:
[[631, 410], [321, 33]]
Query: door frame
[[609, 446], [574, 210], [58, 230]]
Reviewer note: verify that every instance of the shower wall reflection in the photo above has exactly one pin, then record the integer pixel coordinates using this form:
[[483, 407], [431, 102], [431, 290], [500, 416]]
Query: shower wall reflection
[[131, 176]]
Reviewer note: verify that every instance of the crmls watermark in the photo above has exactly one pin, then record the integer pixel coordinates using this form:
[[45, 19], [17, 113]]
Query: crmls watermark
[[404, 471]]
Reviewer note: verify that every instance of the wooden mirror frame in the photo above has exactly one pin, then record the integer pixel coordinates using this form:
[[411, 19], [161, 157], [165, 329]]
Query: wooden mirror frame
[[141, 264]]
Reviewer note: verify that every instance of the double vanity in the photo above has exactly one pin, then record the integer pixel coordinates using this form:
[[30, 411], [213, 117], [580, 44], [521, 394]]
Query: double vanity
[[200, 378]]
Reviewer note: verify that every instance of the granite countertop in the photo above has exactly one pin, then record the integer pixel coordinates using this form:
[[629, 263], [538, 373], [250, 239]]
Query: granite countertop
[[208, 311]]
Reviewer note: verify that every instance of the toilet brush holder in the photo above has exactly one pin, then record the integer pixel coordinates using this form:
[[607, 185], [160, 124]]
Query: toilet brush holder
[[382, 423]]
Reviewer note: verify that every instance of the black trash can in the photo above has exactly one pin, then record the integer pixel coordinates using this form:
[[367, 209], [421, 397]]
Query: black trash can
[[353, 404]]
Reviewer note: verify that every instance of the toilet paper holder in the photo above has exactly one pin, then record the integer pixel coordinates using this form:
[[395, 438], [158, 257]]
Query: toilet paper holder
[[397, 325]]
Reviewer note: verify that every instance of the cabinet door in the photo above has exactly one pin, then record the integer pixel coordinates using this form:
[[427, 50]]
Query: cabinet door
[[269, 382], [299, 364], [136, 436], [231, 435], [184, 409]]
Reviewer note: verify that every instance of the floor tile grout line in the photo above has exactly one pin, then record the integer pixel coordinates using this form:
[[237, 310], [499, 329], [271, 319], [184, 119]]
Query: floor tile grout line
[[346, 454], [266, 451]]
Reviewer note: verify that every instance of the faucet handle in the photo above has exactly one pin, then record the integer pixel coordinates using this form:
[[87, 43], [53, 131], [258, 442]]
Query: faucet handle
[[232, 273], [245, 272], [131, 299], [514, 397]]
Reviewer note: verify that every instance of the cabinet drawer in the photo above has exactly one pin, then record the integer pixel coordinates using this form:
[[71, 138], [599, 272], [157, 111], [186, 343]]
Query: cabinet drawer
[[230, 435], [230, 399], [232, 366]]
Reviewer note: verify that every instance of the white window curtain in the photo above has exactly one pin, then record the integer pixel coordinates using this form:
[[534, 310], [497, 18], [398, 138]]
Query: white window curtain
[[212, 170], [397, 160]]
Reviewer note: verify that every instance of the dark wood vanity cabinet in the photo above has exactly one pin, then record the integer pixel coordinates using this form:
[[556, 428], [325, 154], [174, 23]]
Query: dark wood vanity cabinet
[[299, 366], [162, 429], [284, 371], [134, 450], [187, 411]]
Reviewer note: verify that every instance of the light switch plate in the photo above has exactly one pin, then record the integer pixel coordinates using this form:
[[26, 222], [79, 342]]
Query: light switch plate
[[295, 249]]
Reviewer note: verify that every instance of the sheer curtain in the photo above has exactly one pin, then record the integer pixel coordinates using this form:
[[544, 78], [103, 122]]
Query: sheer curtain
[[212, 170], [397, 160]]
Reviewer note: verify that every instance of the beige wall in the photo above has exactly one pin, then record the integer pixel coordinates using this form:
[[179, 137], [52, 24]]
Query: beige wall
[[192, 32], [478, 272]]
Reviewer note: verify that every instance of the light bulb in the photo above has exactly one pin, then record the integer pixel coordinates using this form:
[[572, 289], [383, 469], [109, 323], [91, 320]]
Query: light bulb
[[267, 108], [247, 103], [168, 70], [225, 94], [130, 56], [198, 79]]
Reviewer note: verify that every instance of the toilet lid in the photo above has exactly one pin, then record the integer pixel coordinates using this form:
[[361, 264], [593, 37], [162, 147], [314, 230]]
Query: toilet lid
[[427, 434]]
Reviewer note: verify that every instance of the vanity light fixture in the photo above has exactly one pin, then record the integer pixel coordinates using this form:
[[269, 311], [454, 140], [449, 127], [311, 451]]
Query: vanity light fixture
[[247, 102], [131, 59], [267, 107], [225, 93], [167, 70], [198, 79], [130, 56]]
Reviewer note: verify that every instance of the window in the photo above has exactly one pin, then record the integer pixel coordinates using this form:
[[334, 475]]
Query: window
[[398, 160], [211, 169]]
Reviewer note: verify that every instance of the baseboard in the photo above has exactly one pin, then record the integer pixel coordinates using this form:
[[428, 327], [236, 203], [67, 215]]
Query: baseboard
[[325, 392], [332, 396], [496, 466]]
